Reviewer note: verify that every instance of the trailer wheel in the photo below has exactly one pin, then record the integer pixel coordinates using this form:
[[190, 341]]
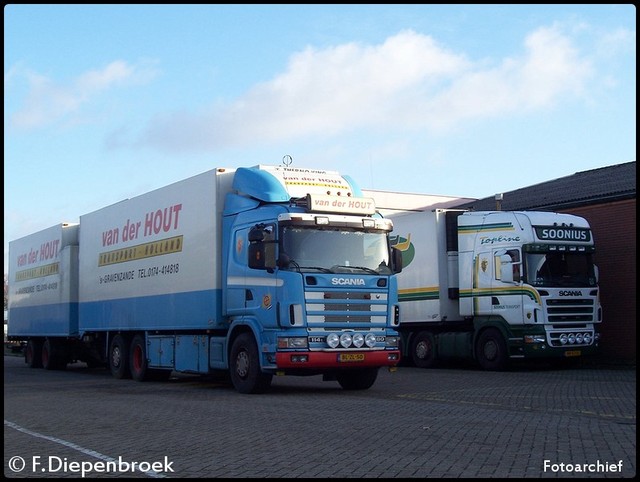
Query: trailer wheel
[[423, 350], [244, 364], [53, 355], [491, 350], [138, 362], [357, 379], [119, 357], [138, 359], [33, 354]]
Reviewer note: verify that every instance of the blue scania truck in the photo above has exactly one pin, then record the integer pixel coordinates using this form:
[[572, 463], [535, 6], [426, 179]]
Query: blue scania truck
[[257, 271]]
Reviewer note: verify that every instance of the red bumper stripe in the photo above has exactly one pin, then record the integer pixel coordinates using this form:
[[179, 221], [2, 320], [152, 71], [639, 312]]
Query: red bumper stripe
[[333, 359]]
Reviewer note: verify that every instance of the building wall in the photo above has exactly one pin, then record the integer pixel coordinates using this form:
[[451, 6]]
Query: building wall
[[614, 231]]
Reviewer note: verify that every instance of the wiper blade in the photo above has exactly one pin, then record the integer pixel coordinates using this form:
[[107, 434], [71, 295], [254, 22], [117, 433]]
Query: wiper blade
[[319, 268], [363, 268]]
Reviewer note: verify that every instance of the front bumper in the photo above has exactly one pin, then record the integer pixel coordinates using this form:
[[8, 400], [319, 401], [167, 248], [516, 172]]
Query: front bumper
[[337, 359]]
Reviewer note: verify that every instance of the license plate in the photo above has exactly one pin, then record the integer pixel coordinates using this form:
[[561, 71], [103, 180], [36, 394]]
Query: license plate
[[573, 353], [351, 357]]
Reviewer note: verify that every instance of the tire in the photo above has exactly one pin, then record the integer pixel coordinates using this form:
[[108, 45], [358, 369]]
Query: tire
[[138, 359], [119, 357], [362, 379], [244, 364], [491, 350], [33, 353], [53, 355], [423, 350], [138, 362]]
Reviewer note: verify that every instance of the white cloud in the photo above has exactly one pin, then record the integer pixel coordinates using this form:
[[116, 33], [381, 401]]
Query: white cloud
[[549, 71], [408, 82], [619, 40], [48, 101]]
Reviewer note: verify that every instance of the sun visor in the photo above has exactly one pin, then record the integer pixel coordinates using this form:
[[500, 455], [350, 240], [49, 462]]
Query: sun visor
[[280, 183], [259, 184]]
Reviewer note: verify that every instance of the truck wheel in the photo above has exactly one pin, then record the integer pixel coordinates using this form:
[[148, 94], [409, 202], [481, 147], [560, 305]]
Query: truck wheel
[[357, 379], [119, 358], [138, 362], [491, 350], [53, 356], [138, 359], [423, 350], [244, 365], [33, 354]]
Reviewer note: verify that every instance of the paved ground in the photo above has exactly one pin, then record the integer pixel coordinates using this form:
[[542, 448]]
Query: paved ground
[[531, 421]]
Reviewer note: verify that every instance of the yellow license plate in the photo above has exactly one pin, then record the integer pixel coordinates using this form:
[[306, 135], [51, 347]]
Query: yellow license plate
[[573, 353], [351, 357]]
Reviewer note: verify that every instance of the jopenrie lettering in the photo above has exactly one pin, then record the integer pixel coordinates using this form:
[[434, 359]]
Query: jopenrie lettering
[[348, 281], [499, 239]]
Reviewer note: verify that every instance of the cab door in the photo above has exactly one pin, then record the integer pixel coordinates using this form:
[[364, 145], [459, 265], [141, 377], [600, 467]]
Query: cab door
[[260, 274], [507, 294]]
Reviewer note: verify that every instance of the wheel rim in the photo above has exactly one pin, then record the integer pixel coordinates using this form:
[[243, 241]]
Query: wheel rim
[[137, 358], [490, 350], [422, 350], [116, 356], [242, 364]]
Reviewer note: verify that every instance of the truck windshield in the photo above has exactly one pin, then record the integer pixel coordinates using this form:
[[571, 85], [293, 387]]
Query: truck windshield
[[560, 269], [334, 250]]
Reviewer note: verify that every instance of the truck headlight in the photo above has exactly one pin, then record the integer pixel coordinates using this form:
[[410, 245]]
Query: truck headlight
[[345, 340], [358, 340], [293, 342], [391, 341], [370, 340], [333, 340]]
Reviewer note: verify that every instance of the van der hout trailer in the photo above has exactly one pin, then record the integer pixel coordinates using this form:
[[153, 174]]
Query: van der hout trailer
[[259, 271]]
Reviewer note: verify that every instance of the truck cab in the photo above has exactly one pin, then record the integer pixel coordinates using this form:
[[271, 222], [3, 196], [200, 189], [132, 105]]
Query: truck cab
[[535, 271], [309, 279]]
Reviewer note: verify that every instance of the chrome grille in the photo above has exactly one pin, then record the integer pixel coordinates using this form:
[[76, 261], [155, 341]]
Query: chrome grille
[[570, 311], [360, 308]]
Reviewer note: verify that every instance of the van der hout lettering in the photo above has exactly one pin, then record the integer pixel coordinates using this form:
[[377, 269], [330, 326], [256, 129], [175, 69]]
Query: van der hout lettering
[[339, 203], [155, 222], [47, 251]]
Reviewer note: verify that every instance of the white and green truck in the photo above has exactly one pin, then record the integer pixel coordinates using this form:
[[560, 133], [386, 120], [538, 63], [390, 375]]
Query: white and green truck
[[495, 286]]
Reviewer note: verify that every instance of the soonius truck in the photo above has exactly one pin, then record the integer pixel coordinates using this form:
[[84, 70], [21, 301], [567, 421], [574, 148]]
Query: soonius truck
[[496, 286], [259, 271]]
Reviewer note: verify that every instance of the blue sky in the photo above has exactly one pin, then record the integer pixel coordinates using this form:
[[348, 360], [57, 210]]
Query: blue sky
[[105, 102]]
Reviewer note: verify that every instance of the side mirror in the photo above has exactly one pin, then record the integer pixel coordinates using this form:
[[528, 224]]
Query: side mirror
[[256, 234], [283, 261], [256, 255], [506, 268], [261, 252], [396, 259]]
